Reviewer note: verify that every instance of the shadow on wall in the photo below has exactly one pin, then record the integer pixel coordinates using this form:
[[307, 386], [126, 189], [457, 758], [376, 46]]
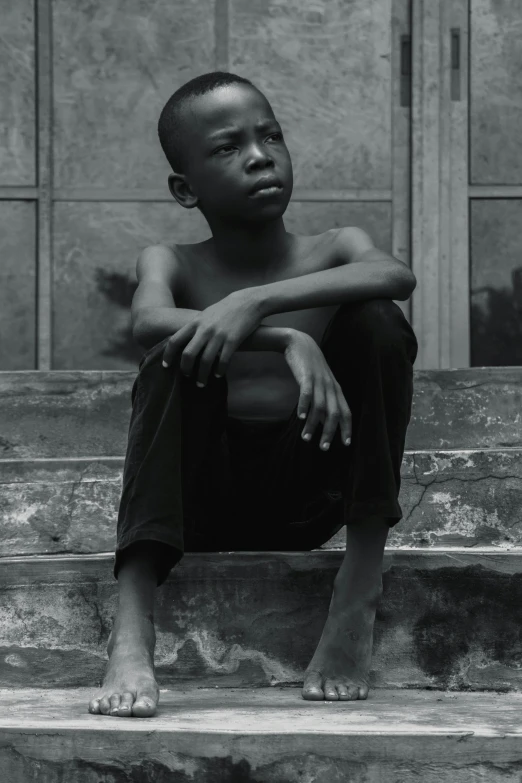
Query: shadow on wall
[[496, 325], [118, 290]]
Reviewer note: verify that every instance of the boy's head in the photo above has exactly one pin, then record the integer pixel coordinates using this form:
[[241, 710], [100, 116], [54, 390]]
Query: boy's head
[[220, 136]]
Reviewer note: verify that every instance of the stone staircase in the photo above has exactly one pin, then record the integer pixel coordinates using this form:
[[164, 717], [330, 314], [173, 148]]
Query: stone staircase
[[236, 631]]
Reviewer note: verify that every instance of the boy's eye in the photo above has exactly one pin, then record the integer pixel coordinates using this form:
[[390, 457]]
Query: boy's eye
[[230, 146]]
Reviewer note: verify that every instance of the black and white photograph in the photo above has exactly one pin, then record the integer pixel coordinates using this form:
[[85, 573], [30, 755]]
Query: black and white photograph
[[261, 391]]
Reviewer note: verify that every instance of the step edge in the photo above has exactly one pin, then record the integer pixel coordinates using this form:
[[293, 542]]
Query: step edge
[[121, 458], [405, 551]]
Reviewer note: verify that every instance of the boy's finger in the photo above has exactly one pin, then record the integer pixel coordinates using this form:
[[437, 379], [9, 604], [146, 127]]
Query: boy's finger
[[190, 354], [206, 361], [305, 398], [318, 410], [175, 344], [331, 421], [346, 431], [345, 423], [170, 351], [227, 350]]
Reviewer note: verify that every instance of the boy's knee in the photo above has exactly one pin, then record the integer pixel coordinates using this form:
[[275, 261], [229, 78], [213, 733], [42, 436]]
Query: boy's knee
[[153, 354], [382, 322]]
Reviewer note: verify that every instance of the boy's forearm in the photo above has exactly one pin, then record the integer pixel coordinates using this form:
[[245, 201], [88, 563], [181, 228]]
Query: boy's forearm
[[160, 322]]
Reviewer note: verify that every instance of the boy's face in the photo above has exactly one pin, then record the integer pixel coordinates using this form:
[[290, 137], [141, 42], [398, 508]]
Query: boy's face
[[234, 141]]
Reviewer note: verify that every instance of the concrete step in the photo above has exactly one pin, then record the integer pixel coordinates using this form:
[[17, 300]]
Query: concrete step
[[448, 619], [449, 498], [268, 735], [85, 413]]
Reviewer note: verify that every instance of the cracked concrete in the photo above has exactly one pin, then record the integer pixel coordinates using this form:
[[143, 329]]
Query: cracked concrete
[[61, 506], [445, 620]]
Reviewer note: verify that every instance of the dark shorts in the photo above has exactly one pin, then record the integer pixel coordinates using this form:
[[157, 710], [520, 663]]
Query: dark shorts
[[197, 480]]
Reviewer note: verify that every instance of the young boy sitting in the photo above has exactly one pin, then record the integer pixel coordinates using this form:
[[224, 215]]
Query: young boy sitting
[[282, 412]]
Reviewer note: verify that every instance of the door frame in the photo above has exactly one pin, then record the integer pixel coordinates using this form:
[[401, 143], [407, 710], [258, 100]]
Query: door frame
[[439, 186]]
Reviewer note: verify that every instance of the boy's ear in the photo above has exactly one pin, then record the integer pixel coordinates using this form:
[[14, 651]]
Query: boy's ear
[[180, 190]]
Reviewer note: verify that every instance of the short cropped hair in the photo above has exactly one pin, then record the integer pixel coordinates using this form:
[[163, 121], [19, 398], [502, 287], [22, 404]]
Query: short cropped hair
[[170, 124]]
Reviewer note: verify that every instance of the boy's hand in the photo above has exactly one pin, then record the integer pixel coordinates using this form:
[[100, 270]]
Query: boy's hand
[[219, 329], [321, 397]]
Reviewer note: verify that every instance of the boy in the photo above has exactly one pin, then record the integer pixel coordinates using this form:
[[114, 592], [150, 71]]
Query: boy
[[243, 441]]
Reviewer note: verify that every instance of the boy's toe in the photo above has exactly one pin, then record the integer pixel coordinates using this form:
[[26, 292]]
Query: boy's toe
[[114, 702], [125, 708], [145, 704], [353, 691], [105, 705], [312, 688], [363, 691], [94, 706], [330, 691], [342, 690]]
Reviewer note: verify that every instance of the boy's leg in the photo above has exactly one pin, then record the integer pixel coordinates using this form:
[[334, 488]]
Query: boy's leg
[[129, 687], [172, 479], [168, 412], [371, 349]]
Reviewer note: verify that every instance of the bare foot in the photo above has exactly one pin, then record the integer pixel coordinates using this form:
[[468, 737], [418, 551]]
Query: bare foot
[[341, 664], [129, 688]]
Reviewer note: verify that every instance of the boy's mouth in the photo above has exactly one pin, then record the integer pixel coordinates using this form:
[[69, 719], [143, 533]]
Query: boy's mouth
[[266, 186], [274, 190]]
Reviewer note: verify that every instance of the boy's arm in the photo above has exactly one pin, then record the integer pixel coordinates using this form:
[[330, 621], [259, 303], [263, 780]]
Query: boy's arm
[[156, 323], [154, 313], [361, 271]]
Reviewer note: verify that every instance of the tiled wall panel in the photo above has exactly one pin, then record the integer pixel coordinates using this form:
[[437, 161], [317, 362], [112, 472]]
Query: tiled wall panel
[[17, 285], [496, 92], [17, 93], [325, 68], [116, 63], [496, 282]]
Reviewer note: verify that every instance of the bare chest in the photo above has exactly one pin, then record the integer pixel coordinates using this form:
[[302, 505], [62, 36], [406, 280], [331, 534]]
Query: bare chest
[[202, 287], [260, 383]]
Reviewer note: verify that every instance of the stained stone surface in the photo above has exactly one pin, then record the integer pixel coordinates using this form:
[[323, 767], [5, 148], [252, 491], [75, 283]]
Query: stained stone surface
[[82, 413], [268, 735], [447, 620], [472, 408], [460, 498], [448, 498]]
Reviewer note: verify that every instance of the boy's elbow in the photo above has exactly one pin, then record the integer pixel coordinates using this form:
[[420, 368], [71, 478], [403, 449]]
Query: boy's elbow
[[139, 326], [409, 284]]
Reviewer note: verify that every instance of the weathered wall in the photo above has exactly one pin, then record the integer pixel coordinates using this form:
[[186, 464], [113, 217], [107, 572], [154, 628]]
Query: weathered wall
[[92, 83], [325, 67]]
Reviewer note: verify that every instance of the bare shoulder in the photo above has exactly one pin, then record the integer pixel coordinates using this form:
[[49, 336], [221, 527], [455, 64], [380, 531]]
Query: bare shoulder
[[349, 242], [335, 246], [158, 263], [166, 263]]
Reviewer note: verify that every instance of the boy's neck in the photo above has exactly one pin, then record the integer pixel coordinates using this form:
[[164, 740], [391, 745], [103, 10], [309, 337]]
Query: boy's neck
[[254, 248]]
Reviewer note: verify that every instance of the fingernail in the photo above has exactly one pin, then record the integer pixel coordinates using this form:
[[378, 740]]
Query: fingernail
[[165, 364], [302, 415], [307, 436], [217, 375], [325, 446], [199, 384], [348, 441]]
